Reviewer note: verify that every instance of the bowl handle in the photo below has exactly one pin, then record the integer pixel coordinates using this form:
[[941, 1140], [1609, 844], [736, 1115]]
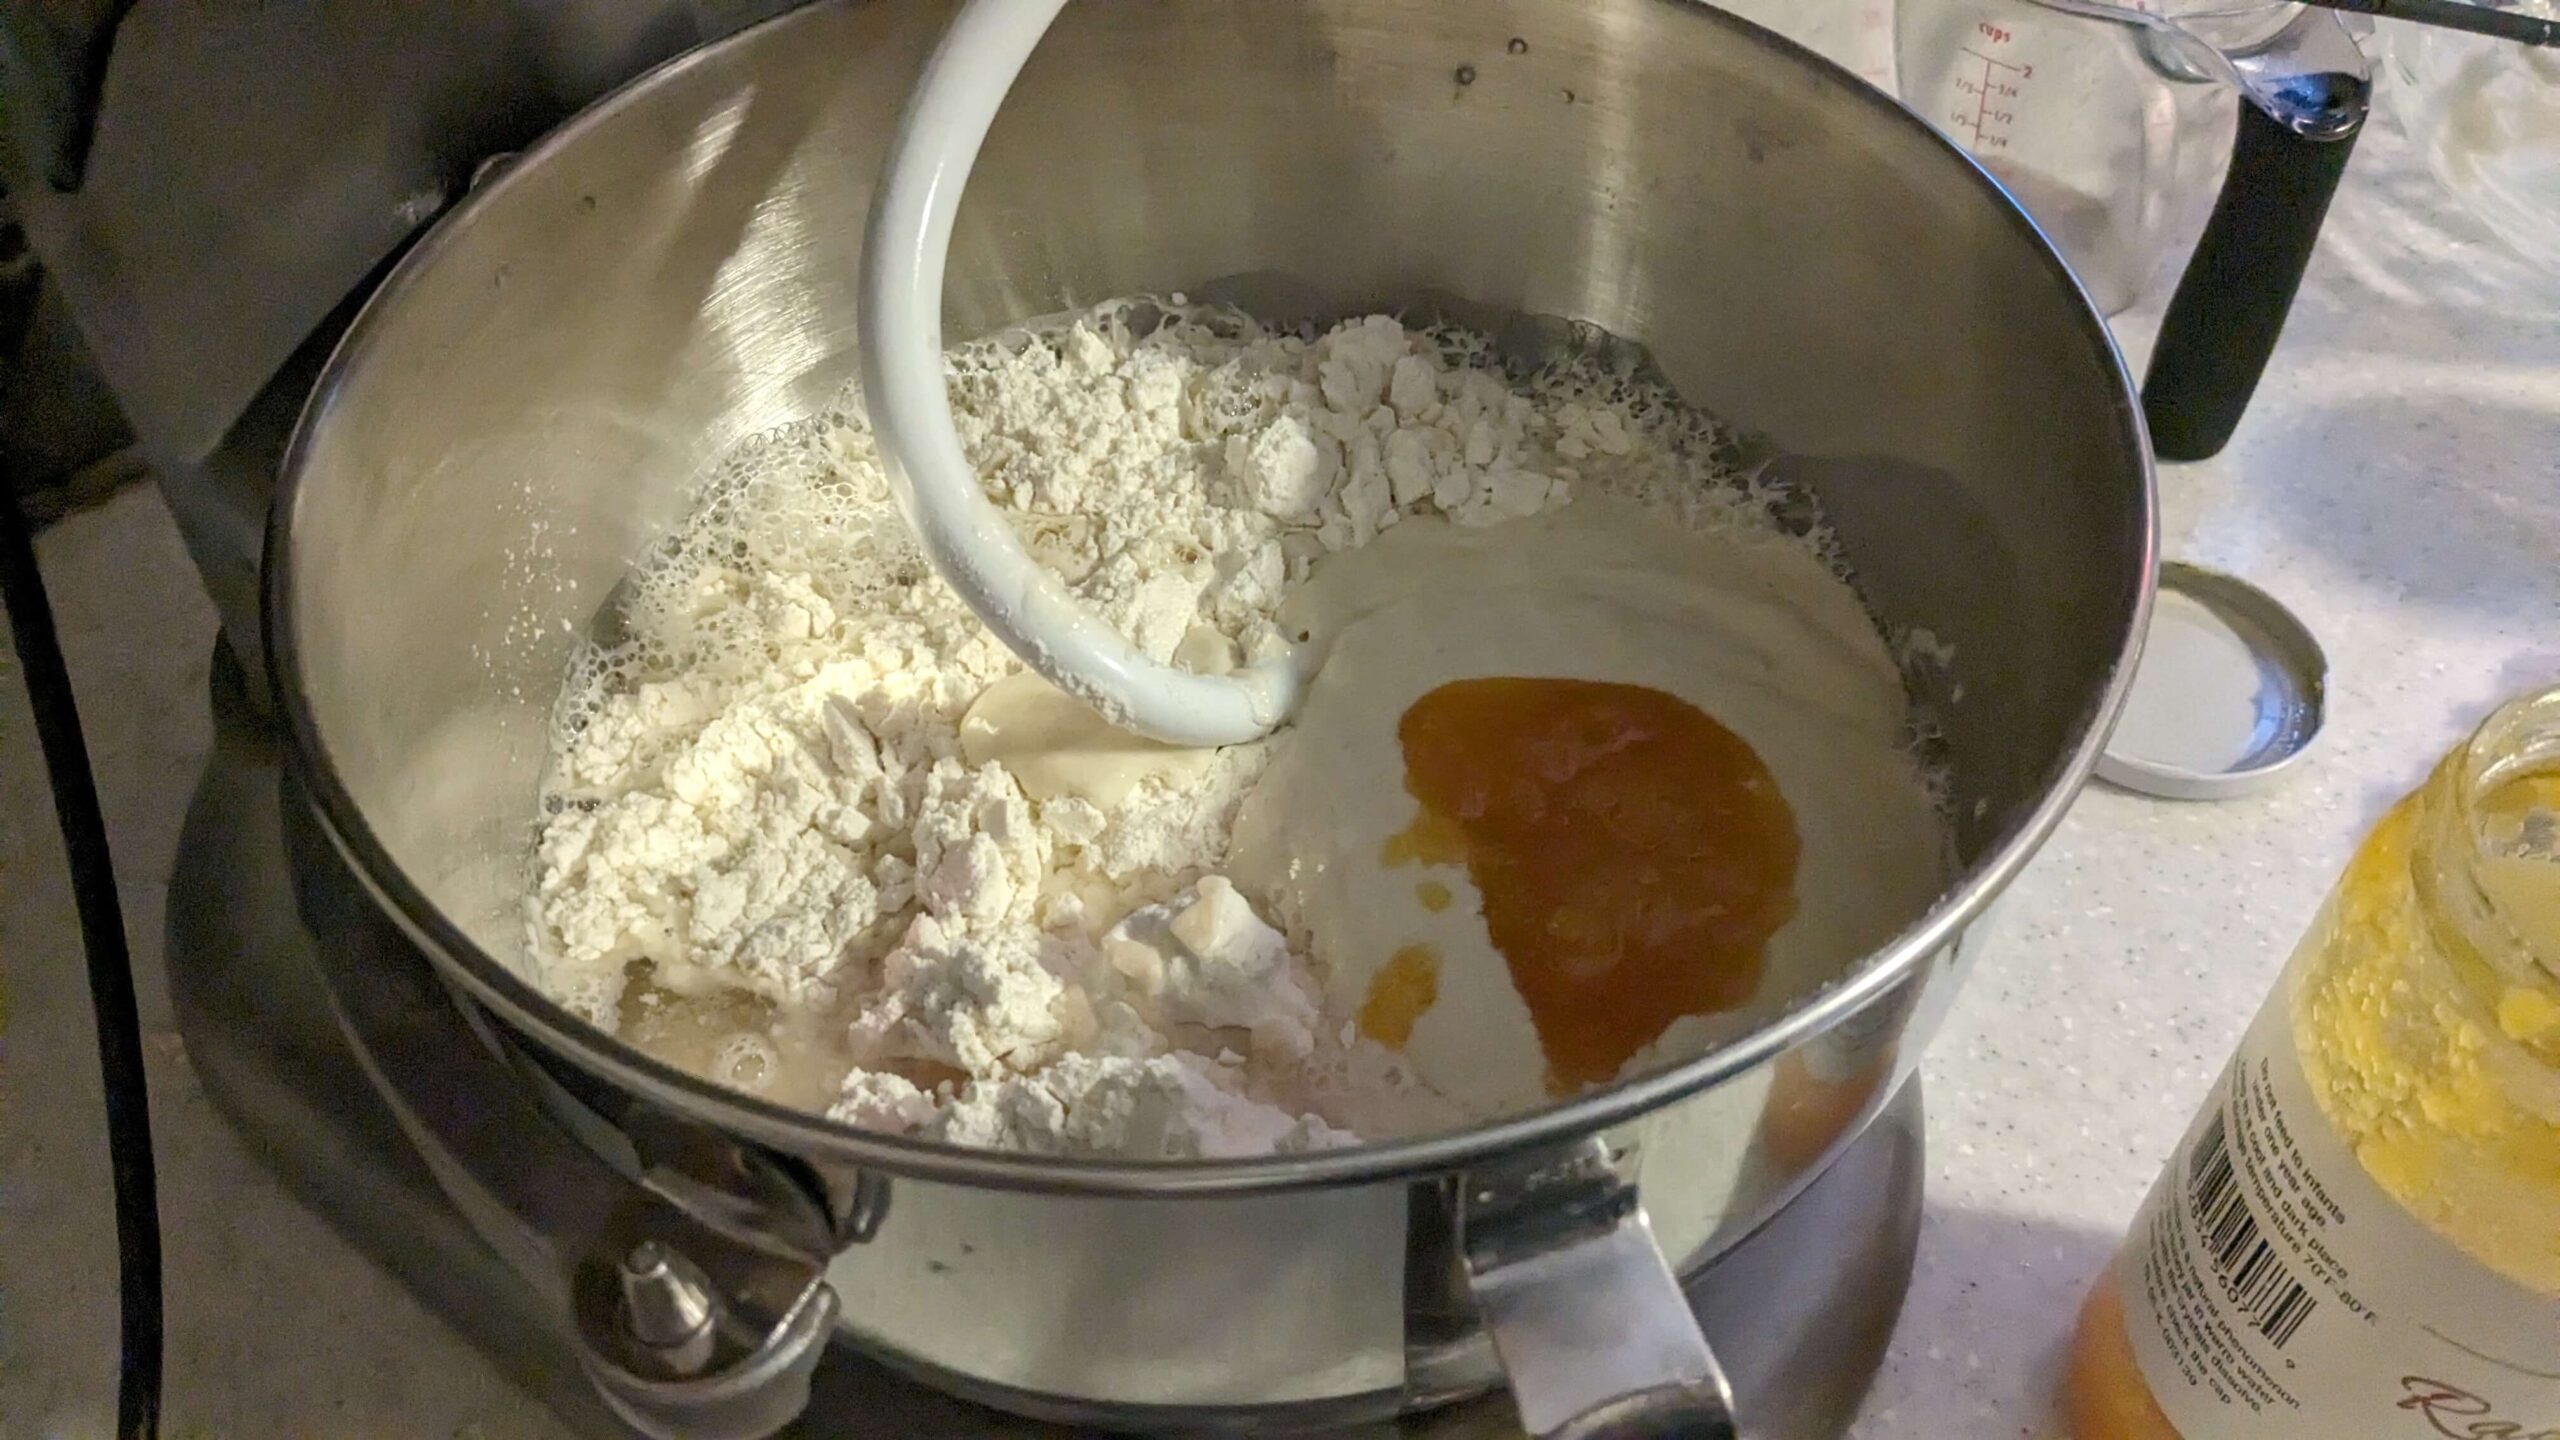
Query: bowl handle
[[1584, 1312]]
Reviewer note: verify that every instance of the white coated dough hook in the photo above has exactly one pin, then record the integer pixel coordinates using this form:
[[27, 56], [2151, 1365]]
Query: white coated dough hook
[[900, 326]]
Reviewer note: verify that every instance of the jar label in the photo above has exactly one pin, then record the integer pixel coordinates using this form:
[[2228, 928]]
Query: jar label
[[2273, 1289]]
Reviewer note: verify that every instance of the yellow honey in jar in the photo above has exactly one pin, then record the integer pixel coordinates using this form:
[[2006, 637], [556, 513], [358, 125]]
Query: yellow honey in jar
[[2360, 1234]]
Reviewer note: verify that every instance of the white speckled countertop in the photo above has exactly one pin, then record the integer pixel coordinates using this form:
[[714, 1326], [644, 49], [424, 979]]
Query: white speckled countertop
[[2398, 484]]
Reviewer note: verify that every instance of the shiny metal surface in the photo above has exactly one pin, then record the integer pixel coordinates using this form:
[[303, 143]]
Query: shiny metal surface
[[1546, 1233], [2175, 741], [1799, 1311], [249, 166], [667, 1306], [2305, 69], [256, 165], [532, 395]]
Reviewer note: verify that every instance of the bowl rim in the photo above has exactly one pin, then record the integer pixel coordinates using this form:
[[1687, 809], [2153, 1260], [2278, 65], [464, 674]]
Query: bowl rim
[[817, 1138]]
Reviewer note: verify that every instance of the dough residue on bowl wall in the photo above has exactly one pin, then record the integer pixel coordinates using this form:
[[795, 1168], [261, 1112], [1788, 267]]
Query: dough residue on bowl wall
[[809, 830]]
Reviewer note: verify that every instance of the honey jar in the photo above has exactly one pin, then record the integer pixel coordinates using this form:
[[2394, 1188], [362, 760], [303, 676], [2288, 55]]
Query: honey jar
[[2359, 1236]]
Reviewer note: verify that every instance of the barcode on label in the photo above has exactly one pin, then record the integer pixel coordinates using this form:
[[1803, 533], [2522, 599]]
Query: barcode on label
[[2253, 1278]]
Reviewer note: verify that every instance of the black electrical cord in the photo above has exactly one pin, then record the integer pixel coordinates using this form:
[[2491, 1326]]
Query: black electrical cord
[[93, 890]]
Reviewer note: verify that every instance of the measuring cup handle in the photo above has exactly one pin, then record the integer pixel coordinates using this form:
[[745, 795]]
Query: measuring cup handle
[[2230, 305]]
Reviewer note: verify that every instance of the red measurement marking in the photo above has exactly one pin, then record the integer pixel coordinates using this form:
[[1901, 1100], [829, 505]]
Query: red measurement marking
[[1994, 93]]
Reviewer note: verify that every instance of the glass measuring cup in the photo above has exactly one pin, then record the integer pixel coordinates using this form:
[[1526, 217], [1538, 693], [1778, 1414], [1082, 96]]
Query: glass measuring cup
[[2107, 119], [1856, 34], [2114, 154]]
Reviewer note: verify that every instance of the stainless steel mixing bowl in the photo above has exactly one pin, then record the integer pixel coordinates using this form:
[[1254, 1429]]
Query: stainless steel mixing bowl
[[532, 396]]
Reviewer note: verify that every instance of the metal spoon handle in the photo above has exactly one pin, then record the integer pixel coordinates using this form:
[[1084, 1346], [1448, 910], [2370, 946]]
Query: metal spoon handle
[[2466, 15]]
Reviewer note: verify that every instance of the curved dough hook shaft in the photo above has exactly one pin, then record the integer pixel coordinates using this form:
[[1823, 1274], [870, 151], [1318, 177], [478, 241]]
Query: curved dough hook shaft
[[968, 541]]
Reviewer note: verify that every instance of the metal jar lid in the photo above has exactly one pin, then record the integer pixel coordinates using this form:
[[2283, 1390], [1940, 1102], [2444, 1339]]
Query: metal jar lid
[[2231, 690]]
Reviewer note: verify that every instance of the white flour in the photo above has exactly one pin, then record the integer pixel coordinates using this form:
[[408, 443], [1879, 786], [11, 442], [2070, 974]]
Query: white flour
[[768, 855]]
